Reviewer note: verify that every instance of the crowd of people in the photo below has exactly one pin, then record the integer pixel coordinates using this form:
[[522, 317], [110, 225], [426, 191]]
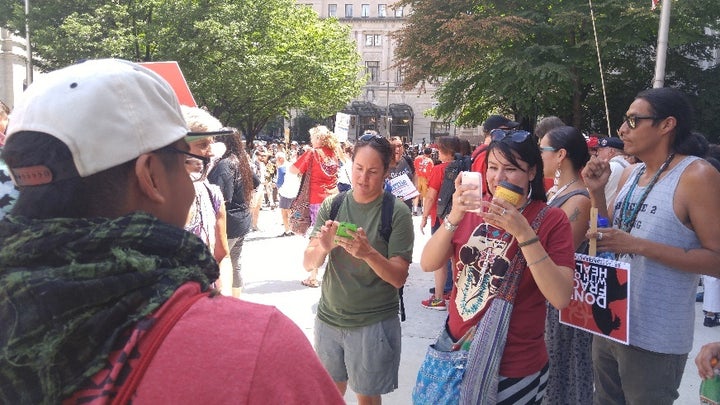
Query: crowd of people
[[113, 222]]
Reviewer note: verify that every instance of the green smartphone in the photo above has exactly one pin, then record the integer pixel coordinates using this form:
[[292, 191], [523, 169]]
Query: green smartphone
[[343, 228]]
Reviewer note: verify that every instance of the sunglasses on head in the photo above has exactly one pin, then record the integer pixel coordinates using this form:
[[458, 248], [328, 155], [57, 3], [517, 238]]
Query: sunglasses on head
[[515, 135], [632, 120], [370, 137]]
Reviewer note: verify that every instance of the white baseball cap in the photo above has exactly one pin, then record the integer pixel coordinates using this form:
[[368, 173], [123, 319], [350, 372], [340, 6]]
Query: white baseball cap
[[107, 112]]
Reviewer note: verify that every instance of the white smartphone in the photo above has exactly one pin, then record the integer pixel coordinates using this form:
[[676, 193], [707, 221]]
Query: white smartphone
[[472, 178]]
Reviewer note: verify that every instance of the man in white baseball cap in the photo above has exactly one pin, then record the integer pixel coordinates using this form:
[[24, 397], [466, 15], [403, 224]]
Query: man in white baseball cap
[[103, 295]]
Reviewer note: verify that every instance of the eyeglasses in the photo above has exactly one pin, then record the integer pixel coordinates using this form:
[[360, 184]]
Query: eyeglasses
[[196, 165], [632, 120], [547, 149], [515, 135]]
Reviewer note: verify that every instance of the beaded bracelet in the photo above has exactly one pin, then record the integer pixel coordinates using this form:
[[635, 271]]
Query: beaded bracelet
[[529, 242]]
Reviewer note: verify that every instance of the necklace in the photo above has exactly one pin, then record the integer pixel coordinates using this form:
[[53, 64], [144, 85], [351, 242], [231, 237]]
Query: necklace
[[628, 215], [561, 189]]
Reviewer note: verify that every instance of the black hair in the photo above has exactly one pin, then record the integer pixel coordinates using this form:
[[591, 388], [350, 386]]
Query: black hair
[[239, 163], [380, 144], [529, 152], [465, 147], [670, 102], [97, 195], [570, 139]]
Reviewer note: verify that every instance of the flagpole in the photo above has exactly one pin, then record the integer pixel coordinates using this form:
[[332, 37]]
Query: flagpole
[[662, 44]]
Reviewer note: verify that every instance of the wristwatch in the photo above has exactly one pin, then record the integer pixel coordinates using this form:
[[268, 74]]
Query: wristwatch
[[449, 225]]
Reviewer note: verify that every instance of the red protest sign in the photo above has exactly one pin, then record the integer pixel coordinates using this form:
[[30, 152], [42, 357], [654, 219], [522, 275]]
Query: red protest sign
[[171, 72], [599, 302]]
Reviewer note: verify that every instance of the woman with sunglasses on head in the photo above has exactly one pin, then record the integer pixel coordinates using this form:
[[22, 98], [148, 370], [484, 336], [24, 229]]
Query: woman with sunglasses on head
[[564, 153], [508, 260], [357, 329], [665, 223]]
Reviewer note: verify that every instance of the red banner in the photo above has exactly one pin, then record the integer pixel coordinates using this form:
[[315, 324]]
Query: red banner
[[599, 302]]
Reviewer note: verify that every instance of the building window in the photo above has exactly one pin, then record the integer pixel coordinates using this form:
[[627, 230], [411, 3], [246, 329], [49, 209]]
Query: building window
[[332, 10], [439, 128], [382, 10], [372, 68], [348, 11], [373, 40], [365, 11], [399, 77], [398, 12]]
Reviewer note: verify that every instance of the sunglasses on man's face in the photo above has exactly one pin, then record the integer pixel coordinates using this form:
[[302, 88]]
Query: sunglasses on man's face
[[632, 120], [515, 135]]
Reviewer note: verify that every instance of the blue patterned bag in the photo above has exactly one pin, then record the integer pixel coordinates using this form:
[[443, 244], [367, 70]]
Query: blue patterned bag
[[440, 376]]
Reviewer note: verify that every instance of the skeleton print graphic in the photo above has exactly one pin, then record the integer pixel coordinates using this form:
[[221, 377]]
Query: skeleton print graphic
[[481, 265]]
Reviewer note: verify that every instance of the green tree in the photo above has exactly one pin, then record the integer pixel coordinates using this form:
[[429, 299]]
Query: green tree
[[246, 61], [536, 58]]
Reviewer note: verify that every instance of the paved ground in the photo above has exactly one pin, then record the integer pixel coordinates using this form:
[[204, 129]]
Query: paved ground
[[272, 268]]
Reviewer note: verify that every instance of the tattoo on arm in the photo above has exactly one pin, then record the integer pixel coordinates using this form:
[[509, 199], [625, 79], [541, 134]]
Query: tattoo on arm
[[574, 215]]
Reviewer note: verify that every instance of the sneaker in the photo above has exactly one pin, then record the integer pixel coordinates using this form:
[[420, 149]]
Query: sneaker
[[432, 303], [446, 294], [711, 321]]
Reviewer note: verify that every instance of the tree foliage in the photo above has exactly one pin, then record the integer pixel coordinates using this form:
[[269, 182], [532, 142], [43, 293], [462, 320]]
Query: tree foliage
[[246, 61], [538, 58]]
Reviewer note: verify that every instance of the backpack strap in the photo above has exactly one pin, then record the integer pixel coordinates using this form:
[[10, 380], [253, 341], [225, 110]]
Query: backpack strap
[[388, 206], [386, 214], [155, 337], [335, 205]]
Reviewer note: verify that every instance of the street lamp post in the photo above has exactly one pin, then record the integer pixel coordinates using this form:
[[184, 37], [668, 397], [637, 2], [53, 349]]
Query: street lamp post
[[28, 64], [388, 120]]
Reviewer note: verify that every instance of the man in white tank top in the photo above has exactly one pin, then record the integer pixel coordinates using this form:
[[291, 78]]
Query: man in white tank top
[[668, 229]]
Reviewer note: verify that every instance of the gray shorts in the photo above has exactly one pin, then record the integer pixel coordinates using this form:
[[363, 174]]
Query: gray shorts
[[368, 358], [285, 202]]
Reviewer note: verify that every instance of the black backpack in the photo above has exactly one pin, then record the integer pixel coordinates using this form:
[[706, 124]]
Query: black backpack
[[386, 214], [447, 188]]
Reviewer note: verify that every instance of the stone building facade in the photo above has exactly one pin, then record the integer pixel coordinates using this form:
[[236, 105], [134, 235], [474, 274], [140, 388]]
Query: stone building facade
[[383, 105]]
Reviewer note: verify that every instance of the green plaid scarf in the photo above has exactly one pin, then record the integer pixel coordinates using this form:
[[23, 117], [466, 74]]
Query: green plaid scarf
[[70, 287]]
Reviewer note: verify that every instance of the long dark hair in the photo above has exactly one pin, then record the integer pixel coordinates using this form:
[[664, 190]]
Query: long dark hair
[[239, 162], [529, 152], [669, 102]]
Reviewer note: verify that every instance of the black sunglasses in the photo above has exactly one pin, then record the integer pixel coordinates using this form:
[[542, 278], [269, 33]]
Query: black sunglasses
[[515, 135], [632, 120], [195, 175]]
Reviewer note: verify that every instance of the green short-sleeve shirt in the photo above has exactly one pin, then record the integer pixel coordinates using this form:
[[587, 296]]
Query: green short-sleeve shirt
[[352, 294]]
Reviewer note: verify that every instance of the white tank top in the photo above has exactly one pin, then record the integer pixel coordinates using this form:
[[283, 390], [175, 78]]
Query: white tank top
[[662, 299]]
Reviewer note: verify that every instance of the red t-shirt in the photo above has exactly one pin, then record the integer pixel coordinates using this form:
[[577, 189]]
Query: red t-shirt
[[324, 172], [435, 182], [479, 258], [478, 164]]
